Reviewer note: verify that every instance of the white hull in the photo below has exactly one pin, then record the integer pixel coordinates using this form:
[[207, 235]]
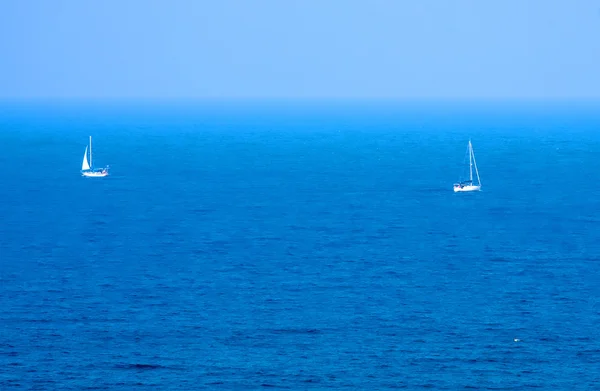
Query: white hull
[[458, 188], [95, 174]]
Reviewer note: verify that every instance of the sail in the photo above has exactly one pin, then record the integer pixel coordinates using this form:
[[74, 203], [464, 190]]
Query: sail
[[85, 165], [474, 164]]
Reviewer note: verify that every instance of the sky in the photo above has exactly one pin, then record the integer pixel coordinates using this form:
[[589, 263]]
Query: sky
[[269, 49]]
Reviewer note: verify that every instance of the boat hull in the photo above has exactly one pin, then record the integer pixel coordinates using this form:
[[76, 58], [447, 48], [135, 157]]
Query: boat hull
[[95, 174], [458, 188]]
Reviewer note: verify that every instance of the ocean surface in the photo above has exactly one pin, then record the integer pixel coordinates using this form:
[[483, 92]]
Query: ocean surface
[[299, 245]]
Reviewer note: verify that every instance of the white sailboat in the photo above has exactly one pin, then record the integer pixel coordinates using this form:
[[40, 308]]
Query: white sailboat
[[87, 169], [469, 185]]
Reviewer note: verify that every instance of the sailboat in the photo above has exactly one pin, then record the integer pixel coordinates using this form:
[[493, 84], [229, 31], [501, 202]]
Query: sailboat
[[469, 185], [87, 169]]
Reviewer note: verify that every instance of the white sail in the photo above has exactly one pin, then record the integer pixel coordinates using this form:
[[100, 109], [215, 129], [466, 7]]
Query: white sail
[[85, 165], [474, 164]]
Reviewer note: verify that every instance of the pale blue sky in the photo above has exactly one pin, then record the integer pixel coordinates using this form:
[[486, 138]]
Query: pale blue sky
[[457, 49]]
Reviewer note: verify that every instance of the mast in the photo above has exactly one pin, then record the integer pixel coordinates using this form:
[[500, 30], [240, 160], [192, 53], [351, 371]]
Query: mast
[[470, 160], [91, 165]]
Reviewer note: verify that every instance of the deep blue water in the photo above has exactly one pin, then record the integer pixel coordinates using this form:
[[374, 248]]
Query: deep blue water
[[299, 246]]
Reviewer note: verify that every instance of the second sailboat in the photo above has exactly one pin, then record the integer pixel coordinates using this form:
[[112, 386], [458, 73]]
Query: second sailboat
[[469, 185]]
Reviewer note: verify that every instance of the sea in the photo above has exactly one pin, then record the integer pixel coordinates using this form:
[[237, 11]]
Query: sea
[[300, 245]]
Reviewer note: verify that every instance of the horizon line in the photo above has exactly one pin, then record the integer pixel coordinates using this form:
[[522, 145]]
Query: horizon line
[[283, 99]]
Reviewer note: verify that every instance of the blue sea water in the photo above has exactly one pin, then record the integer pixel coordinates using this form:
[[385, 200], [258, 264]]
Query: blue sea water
[[299, 246]]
